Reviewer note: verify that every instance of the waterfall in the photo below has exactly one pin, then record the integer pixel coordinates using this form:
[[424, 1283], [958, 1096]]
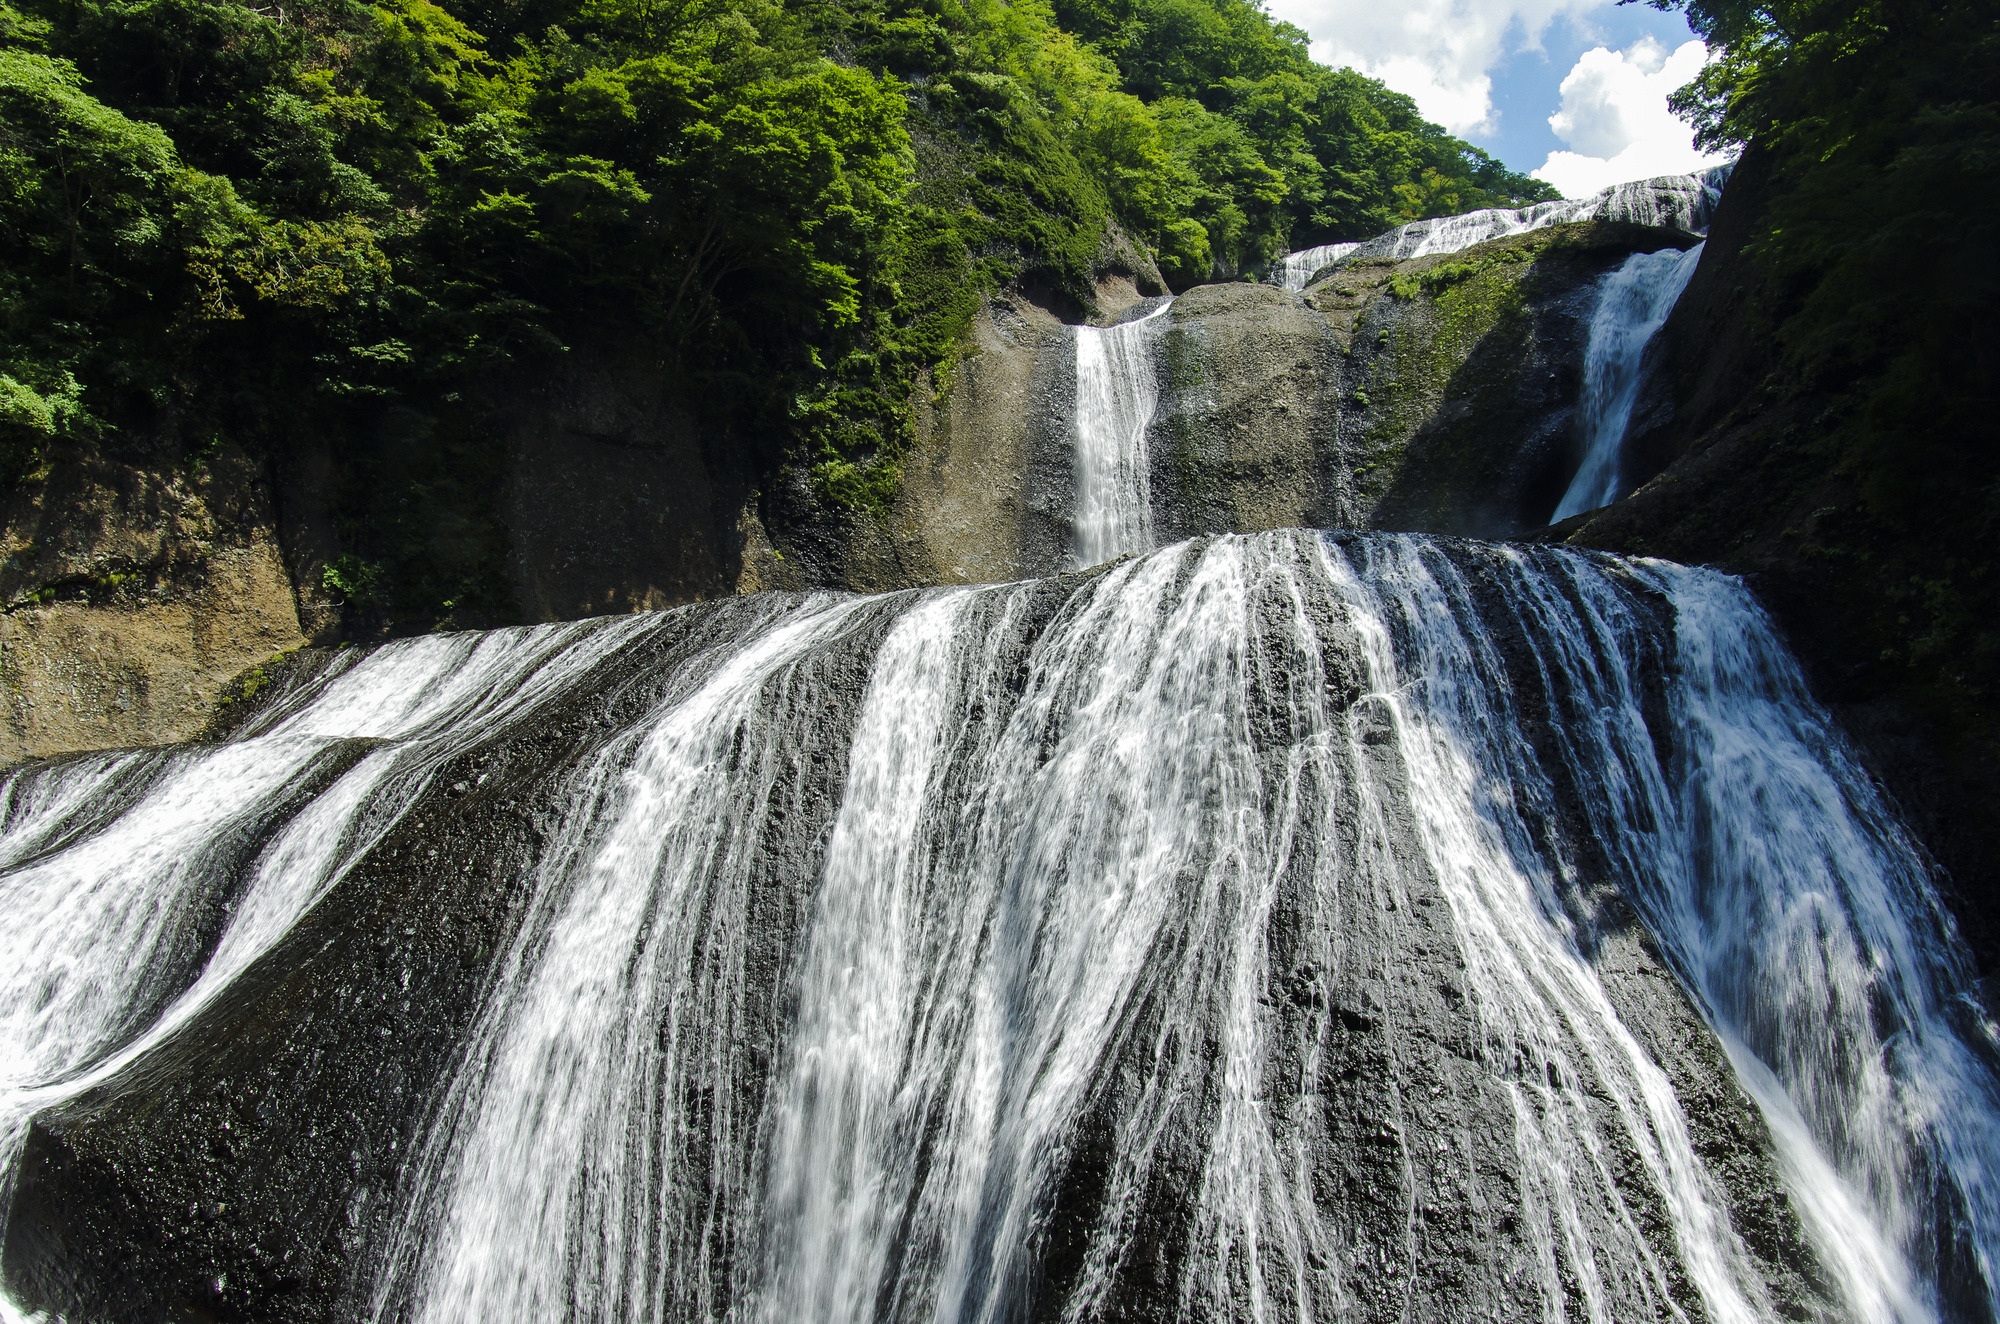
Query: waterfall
[[1784, 893], [1294, 271], [1250, 929], [1116, 395], [137, 886], [1682, 202], [1633, 303]]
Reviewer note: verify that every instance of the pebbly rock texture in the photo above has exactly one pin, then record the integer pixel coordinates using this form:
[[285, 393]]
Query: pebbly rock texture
[[1248, 432], [986, 494], [262, 1162], [136, 599], [1434, 394]]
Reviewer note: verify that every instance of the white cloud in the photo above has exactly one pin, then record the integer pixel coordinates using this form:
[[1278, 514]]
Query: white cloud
[[1437, 51], [1614, 116]]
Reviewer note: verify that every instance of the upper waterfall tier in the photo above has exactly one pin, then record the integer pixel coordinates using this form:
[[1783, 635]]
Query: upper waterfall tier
[[1680, 202], [1632, 305], [1294, 271], [1117, 391], [1271, 928]]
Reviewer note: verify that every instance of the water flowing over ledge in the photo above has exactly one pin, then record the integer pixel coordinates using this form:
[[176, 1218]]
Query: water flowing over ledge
[[1633, 303], [1117, 392], [1278, 927], [1682, 202], [1294, 271]]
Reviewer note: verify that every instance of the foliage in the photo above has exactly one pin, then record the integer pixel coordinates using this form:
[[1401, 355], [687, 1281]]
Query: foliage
[[1878, 125], [218, 217]]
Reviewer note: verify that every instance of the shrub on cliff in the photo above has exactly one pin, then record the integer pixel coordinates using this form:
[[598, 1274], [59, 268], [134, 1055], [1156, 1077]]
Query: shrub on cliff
[[221, 215], [1877, 258]]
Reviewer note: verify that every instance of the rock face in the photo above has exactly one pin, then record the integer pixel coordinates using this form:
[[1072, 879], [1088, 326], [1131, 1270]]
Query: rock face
[[1465, 396], [985, 495], [136, 597], [1732, 469], [1432, 394], [540, 1030], [1249, 429], [614, 501]]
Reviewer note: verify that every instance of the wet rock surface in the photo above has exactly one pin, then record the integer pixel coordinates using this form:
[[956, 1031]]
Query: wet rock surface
[[1463, 372], [1431, 394], [247, 1169], [253, 1167]]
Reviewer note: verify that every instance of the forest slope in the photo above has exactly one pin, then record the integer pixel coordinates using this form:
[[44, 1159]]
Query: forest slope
[[355, 227]]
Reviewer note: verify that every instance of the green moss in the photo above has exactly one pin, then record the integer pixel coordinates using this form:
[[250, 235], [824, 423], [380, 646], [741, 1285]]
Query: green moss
[[76, 588], [1457, 307], [1435, 280]]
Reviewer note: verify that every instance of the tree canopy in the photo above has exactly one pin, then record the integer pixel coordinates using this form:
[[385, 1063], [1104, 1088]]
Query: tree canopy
[[219, 213], [1877, 274]]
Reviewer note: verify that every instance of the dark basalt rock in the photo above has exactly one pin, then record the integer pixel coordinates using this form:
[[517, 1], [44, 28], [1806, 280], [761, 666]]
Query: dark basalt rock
[[253, 1167], [247, 1169]]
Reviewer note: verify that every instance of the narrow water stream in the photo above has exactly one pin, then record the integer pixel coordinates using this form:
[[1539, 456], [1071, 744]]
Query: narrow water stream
[[1633, 303], [1117, 393]]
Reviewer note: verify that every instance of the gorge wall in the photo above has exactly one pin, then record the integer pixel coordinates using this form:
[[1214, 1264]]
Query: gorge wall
[[1144, 905], [1427, 383], [1738, 462], [1347, 405], [1357, 906], [136, 598], [1432, 393]]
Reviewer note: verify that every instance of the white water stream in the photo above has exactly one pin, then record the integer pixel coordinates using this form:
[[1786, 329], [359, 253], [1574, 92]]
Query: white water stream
[[1633, 303], [1117, 393], [1043, 1004], [109, 861], [1683, 202], [1294, 271]]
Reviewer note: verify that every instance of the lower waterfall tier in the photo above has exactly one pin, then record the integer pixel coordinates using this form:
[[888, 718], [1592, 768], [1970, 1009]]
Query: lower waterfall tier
[[1281, 927]]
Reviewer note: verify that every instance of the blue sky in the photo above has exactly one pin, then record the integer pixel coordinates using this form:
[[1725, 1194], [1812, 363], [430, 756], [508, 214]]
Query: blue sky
[[1526, 82], [1497, 71]]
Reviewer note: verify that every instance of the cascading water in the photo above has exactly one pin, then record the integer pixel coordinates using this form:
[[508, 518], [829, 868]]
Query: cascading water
[[1116, 396], [1683, 202], [1294, 271], [1249, 930], [1633, 303], [137, 886]]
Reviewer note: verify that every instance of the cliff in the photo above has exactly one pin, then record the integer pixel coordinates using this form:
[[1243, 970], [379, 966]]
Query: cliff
[[1742, 462], [1432, 393], [137, 596]]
